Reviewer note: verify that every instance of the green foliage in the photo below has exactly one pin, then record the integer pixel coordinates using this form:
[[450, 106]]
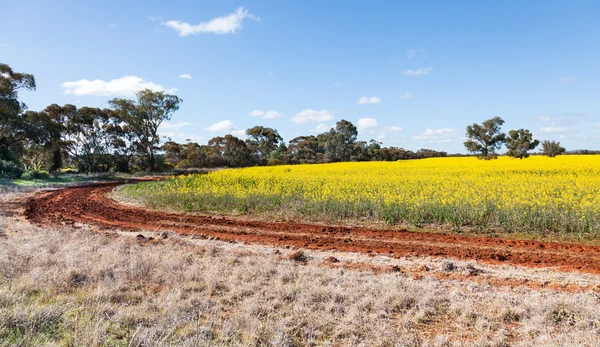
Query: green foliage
[[13, 127], [33, 175], [486, 138], [552, 148], [519, 143], [144, 116], [9, 170], [262, 141]]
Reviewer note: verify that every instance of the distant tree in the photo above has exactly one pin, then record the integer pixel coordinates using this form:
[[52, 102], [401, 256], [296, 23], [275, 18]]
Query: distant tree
[[552, 148], [340, 141], [280, 153], [519, 143], [13, 128], [85, 136], [262, 141], [145, 116], [486, 138], [305, 149], [230, 150]]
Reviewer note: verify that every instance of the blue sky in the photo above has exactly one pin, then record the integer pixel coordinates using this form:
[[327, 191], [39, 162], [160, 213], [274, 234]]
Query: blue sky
[[410, 74]]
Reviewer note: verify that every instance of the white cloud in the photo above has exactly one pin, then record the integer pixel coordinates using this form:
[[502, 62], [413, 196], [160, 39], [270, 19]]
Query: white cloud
[[544, 118], [186, 76], [227, 24], [321, 128], [270, 114], [384, 131], [113, 26], [310, 115], [567, 80], [174, 126], [407, 95], [155, 18], [175, 131], [368, 100], [222, 126], [437, 135], [338, 84], [417, 72], [367, 123], [555, 130], [412, 53], [124, 86]]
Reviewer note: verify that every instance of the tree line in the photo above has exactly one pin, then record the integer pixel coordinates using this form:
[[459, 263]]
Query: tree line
[[486, 138], [124, 137]]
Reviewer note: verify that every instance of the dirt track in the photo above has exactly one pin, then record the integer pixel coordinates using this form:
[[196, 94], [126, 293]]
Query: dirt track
[[90, 205]]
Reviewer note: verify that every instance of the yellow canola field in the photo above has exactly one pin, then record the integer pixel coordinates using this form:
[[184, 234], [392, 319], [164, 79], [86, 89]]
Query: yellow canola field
[[538, 193]]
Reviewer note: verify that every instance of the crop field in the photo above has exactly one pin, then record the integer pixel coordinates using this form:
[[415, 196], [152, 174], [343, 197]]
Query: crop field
[[537, 194]]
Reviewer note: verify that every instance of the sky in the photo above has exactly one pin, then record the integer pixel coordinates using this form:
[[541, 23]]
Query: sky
[[409, 74]]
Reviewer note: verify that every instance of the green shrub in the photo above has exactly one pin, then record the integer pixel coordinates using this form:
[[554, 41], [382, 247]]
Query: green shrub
[[30, 175], [9, 169]]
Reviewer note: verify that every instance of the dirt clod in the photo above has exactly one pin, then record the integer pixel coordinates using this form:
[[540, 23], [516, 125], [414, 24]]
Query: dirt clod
[[448, 266], [298, 256], [331, 259]]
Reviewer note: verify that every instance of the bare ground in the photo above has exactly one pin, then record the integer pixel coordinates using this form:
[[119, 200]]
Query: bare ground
[[70, 284]]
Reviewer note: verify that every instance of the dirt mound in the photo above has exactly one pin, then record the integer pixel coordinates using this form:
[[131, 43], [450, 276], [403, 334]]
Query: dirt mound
[[90, 205]]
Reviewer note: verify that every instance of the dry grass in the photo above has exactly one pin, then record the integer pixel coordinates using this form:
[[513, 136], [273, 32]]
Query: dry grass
[[77, 287]]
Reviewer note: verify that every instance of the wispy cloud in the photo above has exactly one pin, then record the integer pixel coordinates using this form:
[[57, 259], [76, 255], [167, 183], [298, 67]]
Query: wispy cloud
[[407, 95], [443, 135], [368, 100], [113, 26], [155, 18], [371, 126], [227, 24], [555, 130], [567, 80], [186, 76], [270, 114], [176, 131], [417, 72], [310, 115], [124, 86], [414, 53]]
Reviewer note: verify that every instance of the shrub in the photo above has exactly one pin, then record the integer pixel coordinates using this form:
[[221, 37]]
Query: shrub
[[30, 175], [9, 170]]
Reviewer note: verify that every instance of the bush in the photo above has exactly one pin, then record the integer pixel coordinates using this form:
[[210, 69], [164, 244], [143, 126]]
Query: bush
[[274, 162], [30, 175], [68, 171], [9, 170]]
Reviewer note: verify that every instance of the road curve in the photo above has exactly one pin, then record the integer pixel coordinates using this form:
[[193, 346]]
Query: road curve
[[90, 205]]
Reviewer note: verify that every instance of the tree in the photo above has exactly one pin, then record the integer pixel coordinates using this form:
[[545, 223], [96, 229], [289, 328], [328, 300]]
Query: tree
[[486, 138], [86, 137], [12, 125], [262, 141], [520, 142], [305, 149], [230, 151], [552, 148], [340, 141], [145, 116]]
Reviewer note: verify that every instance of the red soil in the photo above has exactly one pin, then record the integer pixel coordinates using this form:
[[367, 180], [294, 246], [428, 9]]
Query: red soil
[[90, 205]]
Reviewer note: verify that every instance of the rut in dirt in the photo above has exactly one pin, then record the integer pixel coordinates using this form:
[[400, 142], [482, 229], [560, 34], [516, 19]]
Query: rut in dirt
[[90, 205]]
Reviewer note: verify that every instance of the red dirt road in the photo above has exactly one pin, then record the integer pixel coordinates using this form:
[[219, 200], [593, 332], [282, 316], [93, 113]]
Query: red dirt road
[[90, 205]]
